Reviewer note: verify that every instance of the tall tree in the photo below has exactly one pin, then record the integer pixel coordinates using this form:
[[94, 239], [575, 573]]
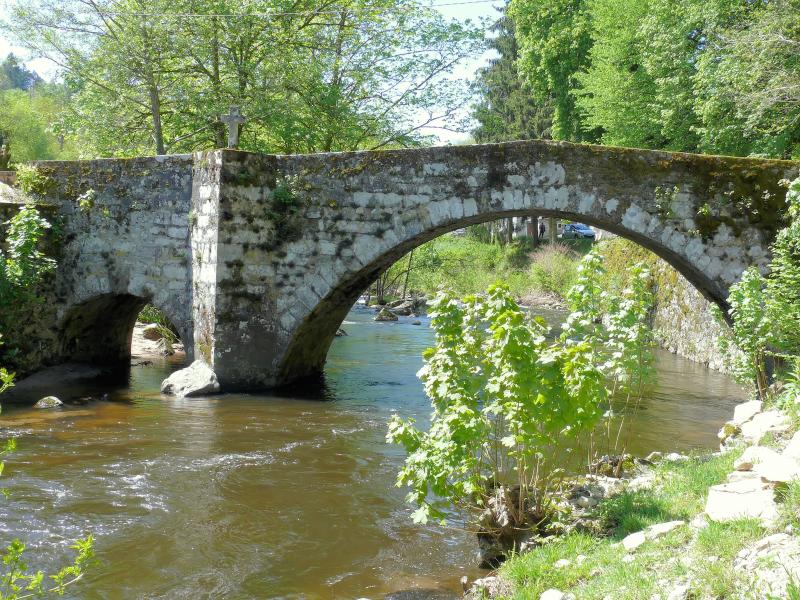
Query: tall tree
[[554, 39], [506, 109], [154, 75], [14, 75]]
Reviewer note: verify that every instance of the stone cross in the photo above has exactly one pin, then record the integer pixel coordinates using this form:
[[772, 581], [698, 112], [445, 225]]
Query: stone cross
[[233, 120]]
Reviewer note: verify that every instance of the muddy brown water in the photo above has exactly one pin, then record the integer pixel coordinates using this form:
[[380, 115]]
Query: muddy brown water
[[258, 496]]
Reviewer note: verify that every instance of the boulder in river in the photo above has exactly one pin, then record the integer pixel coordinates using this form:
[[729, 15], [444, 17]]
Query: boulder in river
[[386, 315], [152, 332], [48, 402], [195, 380], [341, 332]]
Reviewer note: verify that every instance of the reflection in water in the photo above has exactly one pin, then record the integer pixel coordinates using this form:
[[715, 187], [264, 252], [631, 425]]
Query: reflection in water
[[255, 496]]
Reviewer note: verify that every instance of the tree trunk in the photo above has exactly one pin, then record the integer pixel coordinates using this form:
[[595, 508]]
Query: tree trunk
[[510, 232], [551, 228], [408, 272]]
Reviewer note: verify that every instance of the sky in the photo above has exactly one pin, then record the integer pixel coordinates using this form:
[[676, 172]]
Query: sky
[[474, 11]]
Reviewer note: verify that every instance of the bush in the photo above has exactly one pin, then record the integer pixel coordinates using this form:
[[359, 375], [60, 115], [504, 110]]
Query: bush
[[553, 269], [502, 396]]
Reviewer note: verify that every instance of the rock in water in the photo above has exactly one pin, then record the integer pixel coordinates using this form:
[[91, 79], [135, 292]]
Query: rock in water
[[48, 402], [152, 332], [195, 380], [386, 315], [341, 332]]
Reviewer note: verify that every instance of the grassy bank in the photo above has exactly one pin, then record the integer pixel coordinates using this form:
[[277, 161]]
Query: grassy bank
[[469, 266], [699, 555], [606, 569]]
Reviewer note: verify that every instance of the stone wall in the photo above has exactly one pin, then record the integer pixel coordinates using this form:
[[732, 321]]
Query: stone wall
[[684, 322], [123, 241]]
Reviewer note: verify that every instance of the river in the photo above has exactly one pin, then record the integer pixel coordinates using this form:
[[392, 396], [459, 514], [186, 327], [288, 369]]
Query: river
[[257, 496]]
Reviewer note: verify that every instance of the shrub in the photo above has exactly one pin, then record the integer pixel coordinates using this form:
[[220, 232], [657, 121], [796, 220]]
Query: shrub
[[502, 397], [553, 269]]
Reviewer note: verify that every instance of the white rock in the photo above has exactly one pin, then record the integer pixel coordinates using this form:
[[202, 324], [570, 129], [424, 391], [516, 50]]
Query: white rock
[[770, 564], [746, 411], [742, 475], [562, 563], [771, 420], [48, 402], [752, 456], [655, 531], [634, 540], [195, 380], [675, 457], [679, 592], [699, 522], [778, 469], [749, 498], [792, 449], [552, 594]]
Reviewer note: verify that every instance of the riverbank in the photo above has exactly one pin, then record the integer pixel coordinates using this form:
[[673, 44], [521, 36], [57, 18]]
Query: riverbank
[[719, 525]]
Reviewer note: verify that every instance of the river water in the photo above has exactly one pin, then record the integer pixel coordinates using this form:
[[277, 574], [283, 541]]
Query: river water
[[256, 496]]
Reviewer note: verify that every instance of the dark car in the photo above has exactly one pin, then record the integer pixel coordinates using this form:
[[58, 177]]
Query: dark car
[[577, 231]]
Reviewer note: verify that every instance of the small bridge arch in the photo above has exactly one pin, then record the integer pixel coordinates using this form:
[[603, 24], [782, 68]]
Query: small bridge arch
[[262, 256]]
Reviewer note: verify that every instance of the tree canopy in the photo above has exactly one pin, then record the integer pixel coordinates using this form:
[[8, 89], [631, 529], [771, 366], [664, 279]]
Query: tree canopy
[[714, 76], [154, 75]]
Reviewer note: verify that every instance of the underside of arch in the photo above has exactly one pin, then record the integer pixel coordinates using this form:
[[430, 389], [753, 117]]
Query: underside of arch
[[100, 330], [308, 349]]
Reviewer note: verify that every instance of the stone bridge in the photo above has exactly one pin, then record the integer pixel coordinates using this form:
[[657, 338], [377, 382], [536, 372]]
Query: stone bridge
[[257, 259]]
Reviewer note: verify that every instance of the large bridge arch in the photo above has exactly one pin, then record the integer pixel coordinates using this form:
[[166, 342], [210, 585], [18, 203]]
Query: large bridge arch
[[293, 278], [258, 257]]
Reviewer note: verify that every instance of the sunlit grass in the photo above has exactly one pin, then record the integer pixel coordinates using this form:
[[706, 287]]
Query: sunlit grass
[[679, 493]]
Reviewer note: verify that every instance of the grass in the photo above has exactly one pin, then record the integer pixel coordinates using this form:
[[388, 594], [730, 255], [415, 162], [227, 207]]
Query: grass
[[469, 266], [151, 314], [679, 493]]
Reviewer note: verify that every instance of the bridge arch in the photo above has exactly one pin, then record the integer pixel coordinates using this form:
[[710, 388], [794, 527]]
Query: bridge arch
[[285, 283], [308, 349], [99, 329]]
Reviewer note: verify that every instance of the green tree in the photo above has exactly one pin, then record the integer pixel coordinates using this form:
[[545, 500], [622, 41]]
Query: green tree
[[154, 76], [554, 40], [502, 396], [506, 109], [28, 121], [748, 78], [14, 75], [637, 88]]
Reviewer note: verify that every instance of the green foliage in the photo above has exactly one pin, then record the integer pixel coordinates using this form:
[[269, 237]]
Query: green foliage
[[31, 181], [679, 492], [23, 265], [17, 582], [765, 311], [783, 284], [554, 40], [15, 75], [506, 109], [751, 331], [717, 76], [343, 76], [27, 123], [553, 269], [151, 314], [502, 395]]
